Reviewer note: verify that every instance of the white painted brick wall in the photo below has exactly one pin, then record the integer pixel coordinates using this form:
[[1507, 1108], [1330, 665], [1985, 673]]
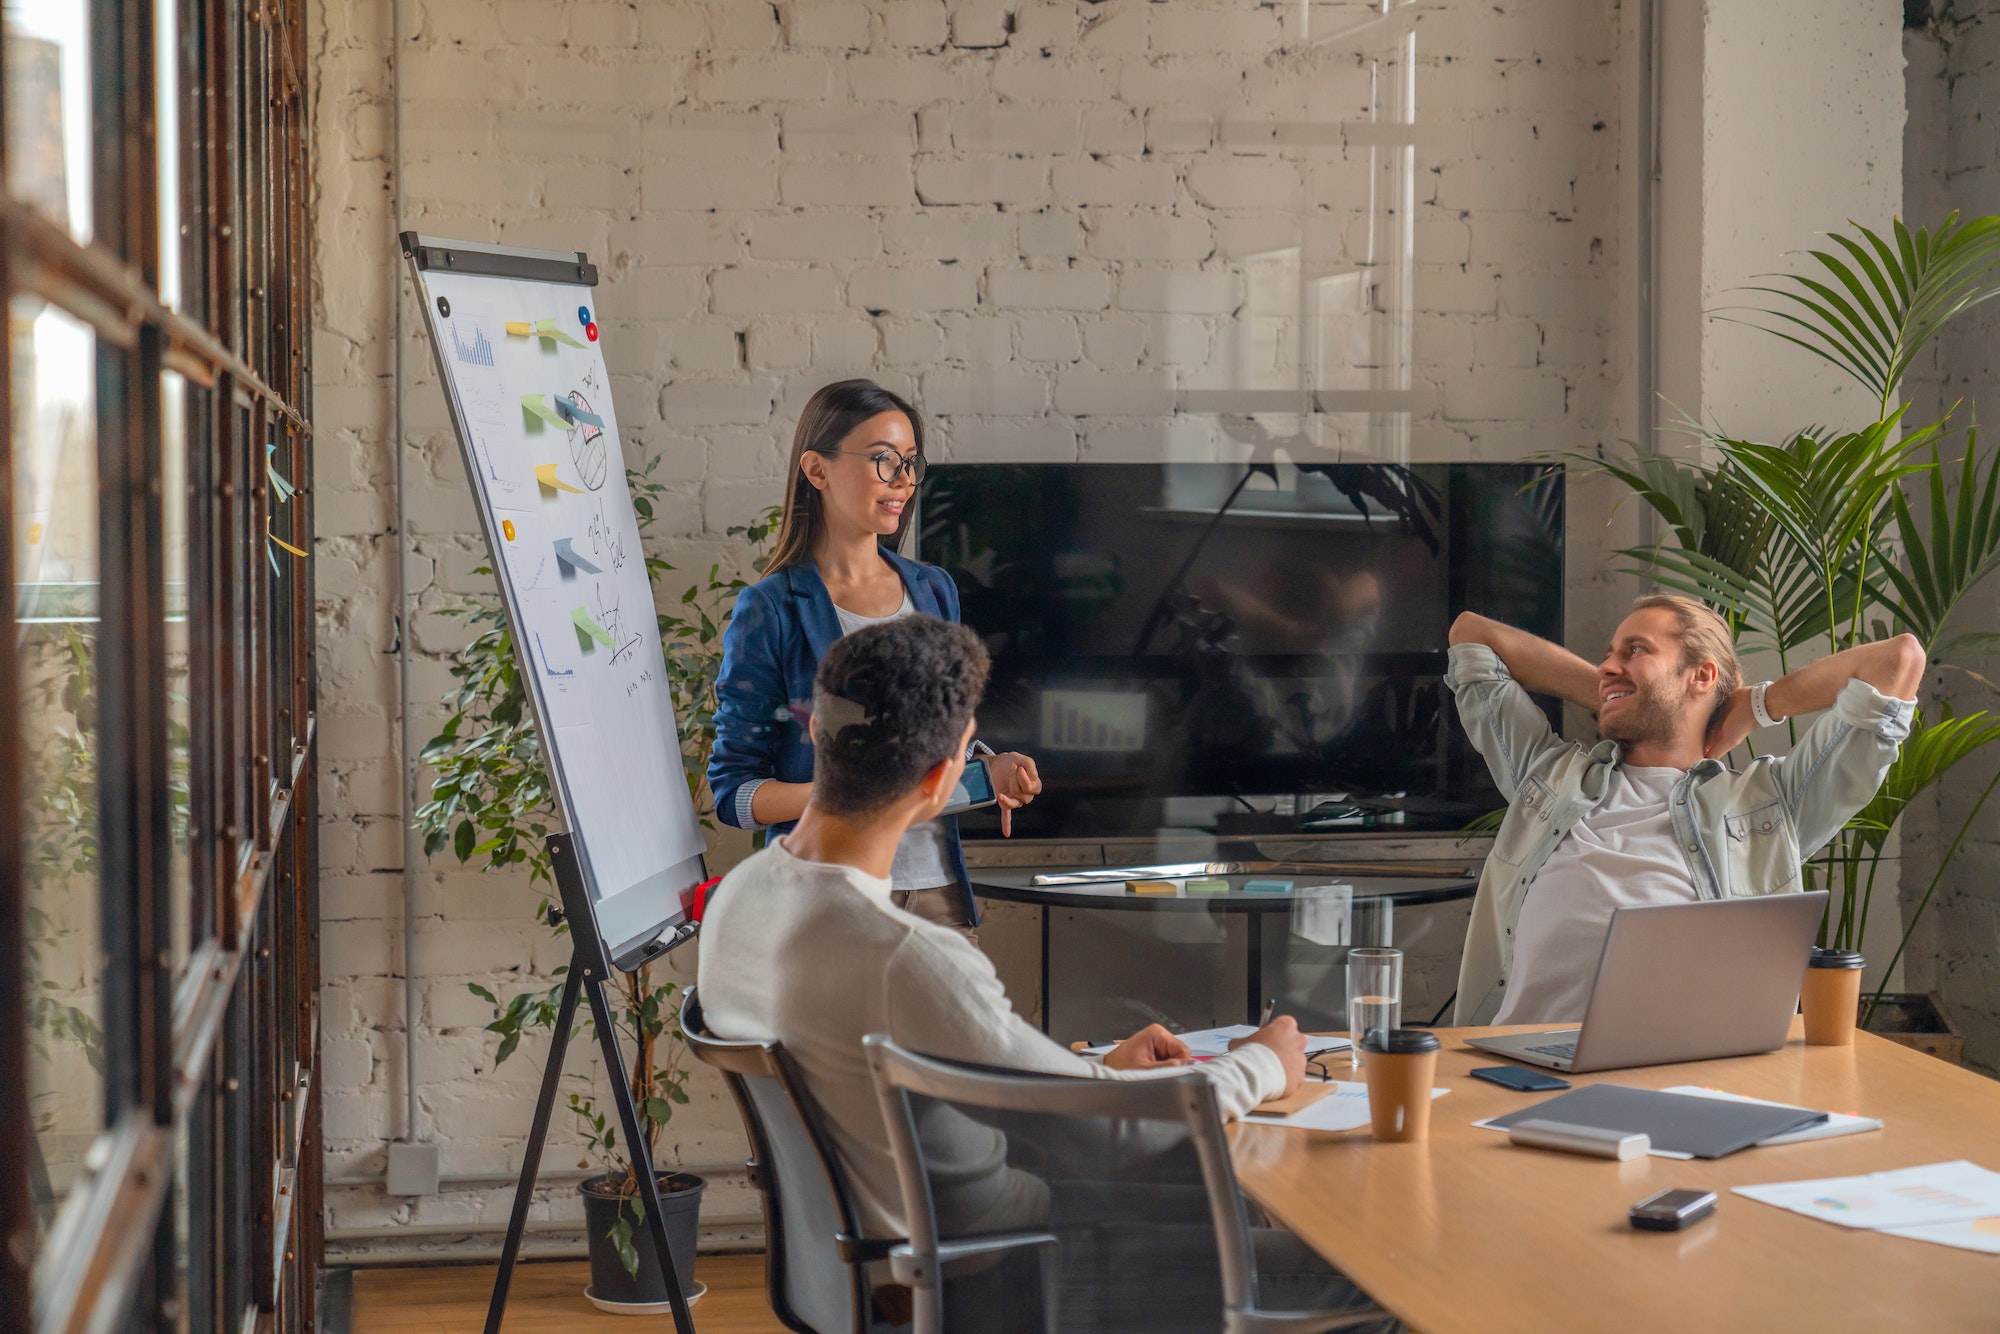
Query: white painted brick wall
[[1033, 216]]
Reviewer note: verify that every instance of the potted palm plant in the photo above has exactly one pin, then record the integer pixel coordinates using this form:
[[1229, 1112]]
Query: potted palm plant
[[1831, 538], [490, 802]]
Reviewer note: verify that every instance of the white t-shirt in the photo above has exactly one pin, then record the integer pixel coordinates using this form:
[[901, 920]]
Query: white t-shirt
[[923, 859], [1622, 855], [814, 956]]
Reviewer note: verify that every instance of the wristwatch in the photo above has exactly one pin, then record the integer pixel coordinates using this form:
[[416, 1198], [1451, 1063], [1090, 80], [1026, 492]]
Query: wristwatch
[[1757, 709]]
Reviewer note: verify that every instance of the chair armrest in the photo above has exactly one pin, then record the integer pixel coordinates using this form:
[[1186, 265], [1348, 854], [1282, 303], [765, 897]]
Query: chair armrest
[[919, 1271], [864, 1250]]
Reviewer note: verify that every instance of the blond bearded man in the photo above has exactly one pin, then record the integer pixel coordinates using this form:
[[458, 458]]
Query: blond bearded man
[[1650, 814]]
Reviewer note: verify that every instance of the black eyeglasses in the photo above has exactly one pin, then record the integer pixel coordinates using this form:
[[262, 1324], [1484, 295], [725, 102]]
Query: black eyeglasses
[[888, 464]]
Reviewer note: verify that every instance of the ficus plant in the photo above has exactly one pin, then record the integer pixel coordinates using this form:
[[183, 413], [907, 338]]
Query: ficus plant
[[1833, 538], [491, 803]]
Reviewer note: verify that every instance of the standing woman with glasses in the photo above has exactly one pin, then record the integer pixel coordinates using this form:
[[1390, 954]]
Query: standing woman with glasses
[[857, 457]]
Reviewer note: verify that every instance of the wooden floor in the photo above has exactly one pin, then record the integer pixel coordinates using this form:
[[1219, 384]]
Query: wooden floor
[[547, 1298]]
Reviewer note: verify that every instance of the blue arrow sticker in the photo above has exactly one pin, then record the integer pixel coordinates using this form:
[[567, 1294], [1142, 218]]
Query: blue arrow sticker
[[567, 555]]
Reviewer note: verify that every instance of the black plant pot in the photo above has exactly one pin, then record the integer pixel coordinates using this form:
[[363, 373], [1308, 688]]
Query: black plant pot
[[645, 1292]]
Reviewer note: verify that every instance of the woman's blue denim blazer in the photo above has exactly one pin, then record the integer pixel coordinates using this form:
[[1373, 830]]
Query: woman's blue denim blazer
[[783, 625]]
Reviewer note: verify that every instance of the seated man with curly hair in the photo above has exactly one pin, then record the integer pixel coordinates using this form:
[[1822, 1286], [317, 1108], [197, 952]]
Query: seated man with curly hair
[[803, 945]]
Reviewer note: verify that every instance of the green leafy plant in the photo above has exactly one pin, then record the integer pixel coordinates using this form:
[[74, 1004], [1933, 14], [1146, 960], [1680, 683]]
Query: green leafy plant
[[490, 802], [1816, 543]]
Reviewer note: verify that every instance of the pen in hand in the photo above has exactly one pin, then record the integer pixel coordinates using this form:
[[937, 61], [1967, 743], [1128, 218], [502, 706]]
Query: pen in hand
[[1270, 1008]]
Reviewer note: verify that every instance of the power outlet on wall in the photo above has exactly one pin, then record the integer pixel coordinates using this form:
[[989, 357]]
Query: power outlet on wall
[[413, 1169]]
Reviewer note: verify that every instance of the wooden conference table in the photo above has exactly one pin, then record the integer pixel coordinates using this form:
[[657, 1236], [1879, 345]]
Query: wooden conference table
[[1466, 1232]]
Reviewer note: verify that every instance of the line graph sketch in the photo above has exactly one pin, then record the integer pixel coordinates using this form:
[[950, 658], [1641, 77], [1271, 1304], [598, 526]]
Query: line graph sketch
[[613, 621]]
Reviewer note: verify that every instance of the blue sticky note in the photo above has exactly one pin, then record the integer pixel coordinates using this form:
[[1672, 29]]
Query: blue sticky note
[[575, 413], [1267, 886], [568, 556]]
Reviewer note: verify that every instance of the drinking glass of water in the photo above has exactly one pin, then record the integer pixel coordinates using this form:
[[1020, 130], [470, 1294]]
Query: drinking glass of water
[[1374, 993]]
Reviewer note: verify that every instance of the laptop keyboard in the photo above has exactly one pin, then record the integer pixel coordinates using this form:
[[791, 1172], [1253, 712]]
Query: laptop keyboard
[[1564, 1050]]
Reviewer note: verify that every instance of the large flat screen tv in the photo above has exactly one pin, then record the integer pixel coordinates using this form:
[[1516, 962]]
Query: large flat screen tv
[[1239, 649]]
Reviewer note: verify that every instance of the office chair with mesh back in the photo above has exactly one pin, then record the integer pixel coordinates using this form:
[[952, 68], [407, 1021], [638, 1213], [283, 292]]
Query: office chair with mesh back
[[1122, 1190], [816, 1260]]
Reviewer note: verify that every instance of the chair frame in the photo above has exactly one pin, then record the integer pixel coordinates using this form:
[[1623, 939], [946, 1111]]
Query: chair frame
[[740, 1060], [1186, 1097]]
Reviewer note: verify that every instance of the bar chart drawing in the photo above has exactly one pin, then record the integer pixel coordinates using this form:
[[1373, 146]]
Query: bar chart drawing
[[480, 353], [1094, 720]]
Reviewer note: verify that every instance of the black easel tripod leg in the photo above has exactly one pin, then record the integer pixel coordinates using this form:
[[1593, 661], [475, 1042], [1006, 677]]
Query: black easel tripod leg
[[531, 1154], [636, 1148]]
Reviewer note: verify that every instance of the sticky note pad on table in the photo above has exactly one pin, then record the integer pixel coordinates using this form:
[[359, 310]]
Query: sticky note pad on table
[[1208, 886], [1151, 886], [1267, 886]]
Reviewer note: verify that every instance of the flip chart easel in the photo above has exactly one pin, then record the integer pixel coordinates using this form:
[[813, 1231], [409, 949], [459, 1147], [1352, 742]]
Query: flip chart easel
[[518, 356]]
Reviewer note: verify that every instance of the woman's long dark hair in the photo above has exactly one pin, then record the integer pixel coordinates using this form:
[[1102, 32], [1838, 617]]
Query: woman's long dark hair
[[829, 418]]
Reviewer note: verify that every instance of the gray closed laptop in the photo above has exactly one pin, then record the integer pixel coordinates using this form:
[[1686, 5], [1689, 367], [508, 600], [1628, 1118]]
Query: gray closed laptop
[[1685, 982]]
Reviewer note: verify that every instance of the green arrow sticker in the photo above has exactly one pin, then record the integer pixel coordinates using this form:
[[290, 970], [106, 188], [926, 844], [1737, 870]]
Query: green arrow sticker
[[590, 628]]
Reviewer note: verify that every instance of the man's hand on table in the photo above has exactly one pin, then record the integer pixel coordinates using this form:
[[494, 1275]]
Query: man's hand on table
[[1282, 1036], [1148, 1049]]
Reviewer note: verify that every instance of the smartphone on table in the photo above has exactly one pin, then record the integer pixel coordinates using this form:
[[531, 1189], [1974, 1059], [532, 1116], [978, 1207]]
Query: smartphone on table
[[1514, 1077]]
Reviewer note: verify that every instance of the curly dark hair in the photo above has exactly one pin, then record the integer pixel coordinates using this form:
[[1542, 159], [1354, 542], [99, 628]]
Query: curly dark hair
[[889, 703]]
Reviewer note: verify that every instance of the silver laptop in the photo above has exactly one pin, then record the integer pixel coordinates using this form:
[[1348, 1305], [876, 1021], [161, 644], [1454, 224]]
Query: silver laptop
[[1685, 982]]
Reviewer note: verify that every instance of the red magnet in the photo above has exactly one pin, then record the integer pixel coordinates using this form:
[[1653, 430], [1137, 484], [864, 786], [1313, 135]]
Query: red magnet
[[590, 332]]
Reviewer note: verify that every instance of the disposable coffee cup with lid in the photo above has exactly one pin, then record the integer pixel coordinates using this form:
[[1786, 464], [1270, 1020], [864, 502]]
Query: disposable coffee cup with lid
[[1400, 1065], [1830, 997], [1399, 1041], [1836, 959]]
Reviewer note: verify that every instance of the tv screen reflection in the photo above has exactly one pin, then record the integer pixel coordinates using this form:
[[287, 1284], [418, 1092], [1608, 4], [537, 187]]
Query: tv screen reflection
[[1241, 649]]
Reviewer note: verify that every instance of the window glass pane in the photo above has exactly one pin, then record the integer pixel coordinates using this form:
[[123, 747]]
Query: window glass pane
[[54, 531], [48, 108], [174, 514], [167, 70]]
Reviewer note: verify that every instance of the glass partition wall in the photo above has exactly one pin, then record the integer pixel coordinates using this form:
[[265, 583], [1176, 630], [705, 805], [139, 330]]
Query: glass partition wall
[[158, 913]]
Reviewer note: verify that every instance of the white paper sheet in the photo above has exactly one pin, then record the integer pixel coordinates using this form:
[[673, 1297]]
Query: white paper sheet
[[1981, 1234], [1836, 1123], [1344, 1108], [1928, 1197]]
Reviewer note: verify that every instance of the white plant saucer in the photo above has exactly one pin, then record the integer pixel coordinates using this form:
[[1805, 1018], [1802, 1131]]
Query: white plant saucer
[[643, 1308]]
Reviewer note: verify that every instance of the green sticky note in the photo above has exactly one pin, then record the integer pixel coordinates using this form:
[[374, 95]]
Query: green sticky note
[[585, 625], [547, 329], [1267, 886], [1208, 886], [538, 405]]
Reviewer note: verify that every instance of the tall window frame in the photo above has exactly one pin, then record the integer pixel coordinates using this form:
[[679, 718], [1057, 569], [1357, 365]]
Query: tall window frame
[[198, 1205]]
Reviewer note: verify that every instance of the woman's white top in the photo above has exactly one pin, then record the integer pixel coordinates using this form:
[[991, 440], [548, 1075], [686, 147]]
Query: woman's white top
[[923, 859]]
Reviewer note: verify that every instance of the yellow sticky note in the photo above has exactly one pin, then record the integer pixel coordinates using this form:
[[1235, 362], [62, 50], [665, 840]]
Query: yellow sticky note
[[279, 540], [545, 473], [34, 534], [1151, 886], [540, 329]]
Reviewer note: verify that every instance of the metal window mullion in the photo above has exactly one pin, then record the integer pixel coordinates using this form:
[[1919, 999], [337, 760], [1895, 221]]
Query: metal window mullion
[[16, 1216]]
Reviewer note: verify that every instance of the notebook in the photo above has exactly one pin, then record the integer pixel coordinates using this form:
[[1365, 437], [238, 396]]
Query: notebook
[[1700, 1127]]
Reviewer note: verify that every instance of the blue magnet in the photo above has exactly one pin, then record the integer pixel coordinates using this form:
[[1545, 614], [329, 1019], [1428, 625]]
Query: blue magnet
[[583, 314]]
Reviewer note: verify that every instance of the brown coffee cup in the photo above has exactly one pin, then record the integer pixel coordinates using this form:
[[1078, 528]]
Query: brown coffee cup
[[1831, 997], [1400, 1065]]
